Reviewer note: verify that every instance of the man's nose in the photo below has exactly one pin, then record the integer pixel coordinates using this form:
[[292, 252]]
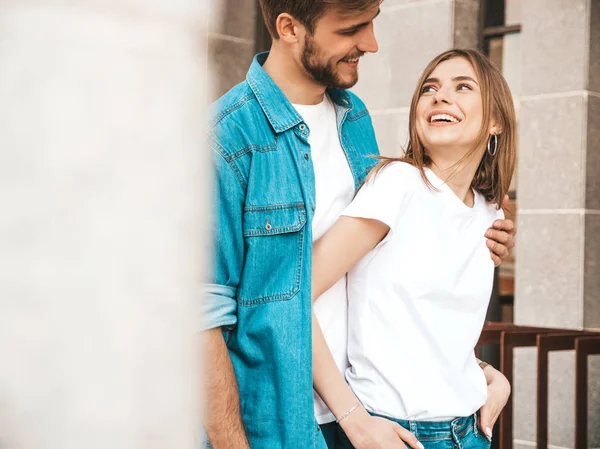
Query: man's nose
[[368, 42]]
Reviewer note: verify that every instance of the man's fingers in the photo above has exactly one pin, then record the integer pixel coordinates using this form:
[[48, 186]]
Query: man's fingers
[[408, 437], [504, 225], [498, 236], [497, 248], [497, 261], [505, 238]]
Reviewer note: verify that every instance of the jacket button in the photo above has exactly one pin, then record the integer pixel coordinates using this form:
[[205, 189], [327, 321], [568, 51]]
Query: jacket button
[[306, 156], [302, 127]]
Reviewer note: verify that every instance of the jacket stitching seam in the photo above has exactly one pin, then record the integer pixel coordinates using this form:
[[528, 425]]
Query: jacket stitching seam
[[280, 206], [354, 117], [235, 106], [253, 147], [231, 164]]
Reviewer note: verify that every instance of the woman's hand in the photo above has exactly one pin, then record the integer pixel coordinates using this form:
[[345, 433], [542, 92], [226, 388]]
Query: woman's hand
[[371, 432], [498, 390]]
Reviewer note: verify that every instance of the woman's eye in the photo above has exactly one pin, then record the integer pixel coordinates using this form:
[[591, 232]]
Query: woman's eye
[[426, 89], [464, 87]]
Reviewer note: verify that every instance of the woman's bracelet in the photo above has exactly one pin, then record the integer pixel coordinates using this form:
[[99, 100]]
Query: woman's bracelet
[[354, 407]]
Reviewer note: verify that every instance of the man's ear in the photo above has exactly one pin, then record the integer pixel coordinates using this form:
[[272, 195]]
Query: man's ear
[[289, 29]]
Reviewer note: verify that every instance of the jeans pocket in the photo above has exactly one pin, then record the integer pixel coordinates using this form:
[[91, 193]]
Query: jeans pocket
[[478, 441]]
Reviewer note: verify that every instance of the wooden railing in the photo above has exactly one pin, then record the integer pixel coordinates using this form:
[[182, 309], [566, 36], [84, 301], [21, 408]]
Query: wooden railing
[[546, 340]]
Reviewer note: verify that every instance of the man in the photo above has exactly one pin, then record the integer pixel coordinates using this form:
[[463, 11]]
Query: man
[[290, 147]]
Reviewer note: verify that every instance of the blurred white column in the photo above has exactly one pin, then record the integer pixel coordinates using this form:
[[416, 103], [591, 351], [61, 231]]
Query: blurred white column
[[103, 179]]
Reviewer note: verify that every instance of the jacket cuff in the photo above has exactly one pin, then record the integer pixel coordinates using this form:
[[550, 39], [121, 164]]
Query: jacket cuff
[[218, 307]]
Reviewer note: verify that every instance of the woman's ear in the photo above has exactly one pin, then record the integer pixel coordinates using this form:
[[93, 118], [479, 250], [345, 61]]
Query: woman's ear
[[495, 127], [288, 28]]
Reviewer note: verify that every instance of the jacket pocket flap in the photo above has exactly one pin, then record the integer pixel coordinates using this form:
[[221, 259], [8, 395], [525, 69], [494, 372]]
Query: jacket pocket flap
[[272, 220]]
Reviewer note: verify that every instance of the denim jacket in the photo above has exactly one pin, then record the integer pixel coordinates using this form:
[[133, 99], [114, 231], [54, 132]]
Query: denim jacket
[[261, 282]]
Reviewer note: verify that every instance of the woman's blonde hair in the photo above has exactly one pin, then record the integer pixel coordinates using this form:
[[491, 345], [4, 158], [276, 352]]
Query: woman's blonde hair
[[493, 176]]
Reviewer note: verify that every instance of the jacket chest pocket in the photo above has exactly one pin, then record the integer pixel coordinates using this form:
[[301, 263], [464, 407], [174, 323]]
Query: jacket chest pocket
[[274, 243]]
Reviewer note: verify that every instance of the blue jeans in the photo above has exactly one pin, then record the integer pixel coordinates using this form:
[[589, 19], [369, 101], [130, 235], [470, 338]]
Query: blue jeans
[[330, 433], [460, 433]]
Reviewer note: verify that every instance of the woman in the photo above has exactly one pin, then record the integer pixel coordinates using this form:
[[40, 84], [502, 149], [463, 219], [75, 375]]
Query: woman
[[419, 272]]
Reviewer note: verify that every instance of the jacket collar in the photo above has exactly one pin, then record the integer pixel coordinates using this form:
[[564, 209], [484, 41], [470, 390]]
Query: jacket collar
[[277, 108]]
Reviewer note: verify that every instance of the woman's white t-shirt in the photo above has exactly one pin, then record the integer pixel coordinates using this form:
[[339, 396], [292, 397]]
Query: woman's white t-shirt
[[417, 302]]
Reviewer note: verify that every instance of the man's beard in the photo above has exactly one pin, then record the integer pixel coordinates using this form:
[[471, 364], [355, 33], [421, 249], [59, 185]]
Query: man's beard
[[324, 73]]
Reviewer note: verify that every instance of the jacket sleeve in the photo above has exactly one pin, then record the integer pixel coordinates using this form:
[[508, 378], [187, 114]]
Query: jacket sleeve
[[219, 295]]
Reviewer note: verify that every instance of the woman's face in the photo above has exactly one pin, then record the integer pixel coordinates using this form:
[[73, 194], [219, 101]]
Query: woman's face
[[450, 109]]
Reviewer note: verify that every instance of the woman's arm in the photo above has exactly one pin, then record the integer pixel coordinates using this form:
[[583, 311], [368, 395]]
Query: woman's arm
[[346, 242], [362, 429], [328, 382]]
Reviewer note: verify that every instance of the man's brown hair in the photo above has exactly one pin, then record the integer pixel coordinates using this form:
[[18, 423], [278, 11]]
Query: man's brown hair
[[308, 12]]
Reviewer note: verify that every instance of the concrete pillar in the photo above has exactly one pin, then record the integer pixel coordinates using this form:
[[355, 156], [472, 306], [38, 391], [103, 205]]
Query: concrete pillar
[[557, 274], [103, 194]]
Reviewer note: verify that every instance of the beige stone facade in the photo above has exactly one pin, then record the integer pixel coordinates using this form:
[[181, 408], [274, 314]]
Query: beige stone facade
[[558, 263], [231, 41]]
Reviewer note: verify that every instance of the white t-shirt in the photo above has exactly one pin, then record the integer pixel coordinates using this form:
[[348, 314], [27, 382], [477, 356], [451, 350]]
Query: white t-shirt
[[334, 191], [417, 302]]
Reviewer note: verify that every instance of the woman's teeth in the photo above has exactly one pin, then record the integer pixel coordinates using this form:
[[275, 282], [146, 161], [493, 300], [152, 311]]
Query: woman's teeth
[[443, 118]]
